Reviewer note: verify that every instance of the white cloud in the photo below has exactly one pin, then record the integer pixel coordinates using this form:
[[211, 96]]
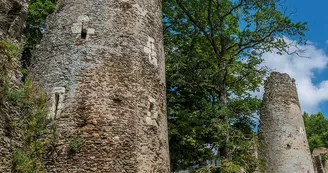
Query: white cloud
[[302, 70]]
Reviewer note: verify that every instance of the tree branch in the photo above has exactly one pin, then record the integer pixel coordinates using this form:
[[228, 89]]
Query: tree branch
[[200, 27]]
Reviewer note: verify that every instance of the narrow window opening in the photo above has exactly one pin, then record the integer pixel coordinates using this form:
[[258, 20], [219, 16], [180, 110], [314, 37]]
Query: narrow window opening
[[152, 108], [117, 100], [56, 103], [84, 34]]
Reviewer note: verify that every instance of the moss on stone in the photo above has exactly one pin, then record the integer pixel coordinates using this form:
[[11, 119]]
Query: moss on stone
[[11, 50]]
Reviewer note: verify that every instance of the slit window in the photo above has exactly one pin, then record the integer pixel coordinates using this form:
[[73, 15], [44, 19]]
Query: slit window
[[151, 107], [84, 33], [56, 103]]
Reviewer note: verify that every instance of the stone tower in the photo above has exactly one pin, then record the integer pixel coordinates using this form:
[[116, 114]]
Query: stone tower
[[102, 64], [12, 17], [282, 133]]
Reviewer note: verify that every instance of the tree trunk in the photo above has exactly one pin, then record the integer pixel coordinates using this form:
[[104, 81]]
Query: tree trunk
[[223, 100]]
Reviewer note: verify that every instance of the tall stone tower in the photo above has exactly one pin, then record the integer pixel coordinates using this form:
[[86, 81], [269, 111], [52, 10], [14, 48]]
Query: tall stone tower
[[102, 64], [282, 133]]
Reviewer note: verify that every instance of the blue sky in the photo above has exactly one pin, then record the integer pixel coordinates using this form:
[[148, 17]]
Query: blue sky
[[314, 12], [311, 74]]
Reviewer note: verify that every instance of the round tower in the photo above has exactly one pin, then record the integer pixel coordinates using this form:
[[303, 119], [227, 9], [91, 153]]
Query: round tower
[[102, 64], [284, 145]]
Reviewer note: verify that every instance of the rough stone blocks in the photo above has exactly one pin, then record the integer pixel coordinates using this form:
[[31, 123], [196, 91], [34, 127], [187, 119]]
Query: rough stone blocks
[[107, 55]]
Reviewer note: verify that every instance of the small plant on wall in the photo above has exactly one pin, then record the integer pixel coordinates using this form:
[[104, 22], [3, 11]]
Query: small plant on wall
[[75, 146]]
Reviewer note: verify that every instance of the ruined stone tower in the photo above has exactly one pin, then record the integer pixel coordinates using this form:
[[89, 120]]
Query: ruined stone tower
[[282, 134], [102, 64]]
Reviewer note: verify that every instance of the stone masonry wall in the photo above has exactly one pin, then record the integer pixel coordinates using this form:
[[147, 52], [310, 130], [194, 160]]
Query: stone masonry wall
[[282, 133], [102, 64], [319, 162], [12, 17]]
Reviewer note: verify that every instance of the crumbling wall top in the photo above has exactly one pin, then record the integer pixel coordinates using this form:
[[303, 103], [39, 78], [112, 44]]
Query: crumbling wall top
[[281, 88]]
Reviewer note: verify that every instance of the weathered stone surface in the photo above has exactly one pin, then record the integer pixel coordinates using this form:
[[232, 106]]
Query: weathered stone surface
[[108, 56], [12, 16], [320, 164], [282, 134], [320, 151]]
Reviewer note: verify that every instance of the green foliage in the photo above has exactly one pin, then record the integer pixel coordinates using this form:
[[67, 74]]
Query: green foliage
[[38, 11], [24, 163], [8, 51], [213, 51], [208, 170], [230, 167], [32, 102], [11, 50], [27, 100], [75, 145], [316, 126]]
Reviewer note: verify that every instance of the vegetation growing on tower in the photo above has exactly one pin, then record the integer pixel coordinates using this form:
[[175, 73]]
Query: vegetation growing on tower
[[24, 104]]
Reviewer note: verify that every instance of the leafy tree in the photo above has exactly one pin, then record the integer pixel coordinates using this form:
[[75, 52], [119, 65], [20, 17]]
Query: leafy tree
[[316, 126], [38, 11], [213, 50]]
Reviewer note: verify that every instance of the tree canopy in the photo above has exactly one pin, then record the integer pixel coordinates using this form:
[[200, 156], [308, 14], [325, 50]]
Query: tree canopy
[[38, 11], [316, 126], [213, 55], [213, 52]]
